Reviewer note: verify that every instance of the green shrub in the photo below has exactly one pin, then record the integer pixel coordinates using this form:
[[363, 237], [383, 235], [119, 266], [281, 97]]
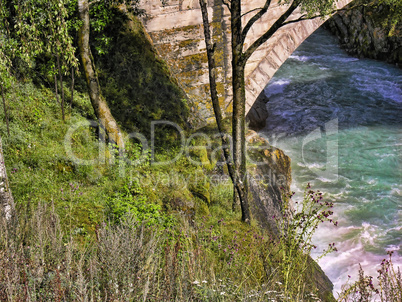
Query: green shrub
[[132, 201]]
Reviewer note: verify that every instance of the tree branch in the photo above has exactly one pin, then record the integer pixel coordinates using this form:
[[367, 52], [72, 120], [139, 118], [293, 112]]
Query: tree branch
[[332, 13], [271, 31], [251, 22], [250, 11], [227, 4]]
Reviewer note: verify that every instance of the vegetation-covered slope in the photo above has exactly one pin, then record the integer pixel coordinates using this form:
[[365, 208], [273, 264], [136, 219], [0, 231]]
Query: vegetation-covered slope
[[64, 249]]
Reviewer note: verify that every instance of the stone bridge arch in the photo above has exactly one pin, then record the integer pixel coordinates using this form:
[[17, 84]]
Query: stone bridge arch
[[177, 33]]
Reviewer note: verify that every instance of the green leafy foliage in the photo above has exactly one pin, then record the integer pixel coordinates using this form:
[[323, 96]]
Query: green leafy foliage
[[41, 28], [101, 17], [131, 201], [395, 9], [103, 14], [390, 13], [315, 7], [7, 43]]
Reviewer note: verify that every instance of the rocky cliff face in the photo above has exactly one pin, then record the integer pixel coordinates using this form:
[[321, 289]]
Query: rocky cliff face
[[365, 32], [270, 179]]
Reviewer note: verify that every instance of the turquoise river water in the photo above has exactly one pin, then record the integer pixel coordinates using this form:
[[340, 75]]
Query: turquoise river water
[[339, 118]]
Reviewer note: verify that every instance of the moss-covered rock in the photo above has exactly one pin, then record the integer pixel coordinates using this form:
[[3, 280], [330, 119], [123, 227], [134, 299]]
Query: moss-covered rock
[[270, 179]]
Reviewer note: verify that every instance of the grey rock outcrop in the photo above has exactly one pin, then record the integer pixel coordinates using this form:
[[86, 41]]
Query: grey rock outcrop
[[364, 31]]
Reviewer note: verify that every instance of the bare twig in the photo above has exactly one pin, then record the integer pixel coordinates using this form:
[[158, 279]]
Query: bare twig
[[226, 4]]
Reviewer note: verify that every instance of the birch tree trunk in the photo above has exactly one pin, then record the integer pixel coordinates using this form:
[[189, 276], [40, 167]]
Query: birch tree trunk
[[102, 111], [6, 198]]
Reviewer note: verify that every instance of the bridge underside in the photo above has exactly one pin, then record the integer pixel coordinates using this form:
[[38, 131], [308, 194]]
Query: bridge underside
[[177, 32]]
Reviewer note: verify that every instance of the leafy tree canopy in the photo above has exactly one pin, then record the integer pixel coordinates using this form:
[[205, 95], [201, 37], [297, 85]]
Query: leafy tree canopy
[[32, 28]]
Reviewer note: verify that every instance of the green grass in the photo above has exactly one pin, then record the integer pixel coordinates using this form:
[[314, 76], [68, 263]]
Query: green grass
[[41, 170]]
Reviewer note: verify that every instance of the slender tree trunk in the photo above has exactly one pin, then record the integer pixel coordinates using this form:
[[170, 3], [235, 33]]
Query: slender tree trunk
[[61, 86], [239, 110], [214, 93], [6, 198], [102, 111], [239, 140], [56, 88], [72, 88], [5, 109]]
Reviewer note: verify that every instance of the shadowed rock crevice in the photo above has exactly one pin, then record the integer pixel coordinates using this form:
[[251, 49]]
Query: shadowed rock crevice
[[365, 32], [258, 114]]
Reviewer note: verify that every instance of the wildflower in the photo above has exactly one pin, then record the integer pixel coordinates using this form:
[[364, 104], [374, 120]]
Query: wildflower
[[204, 281], [196, 282], [222, 293]]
